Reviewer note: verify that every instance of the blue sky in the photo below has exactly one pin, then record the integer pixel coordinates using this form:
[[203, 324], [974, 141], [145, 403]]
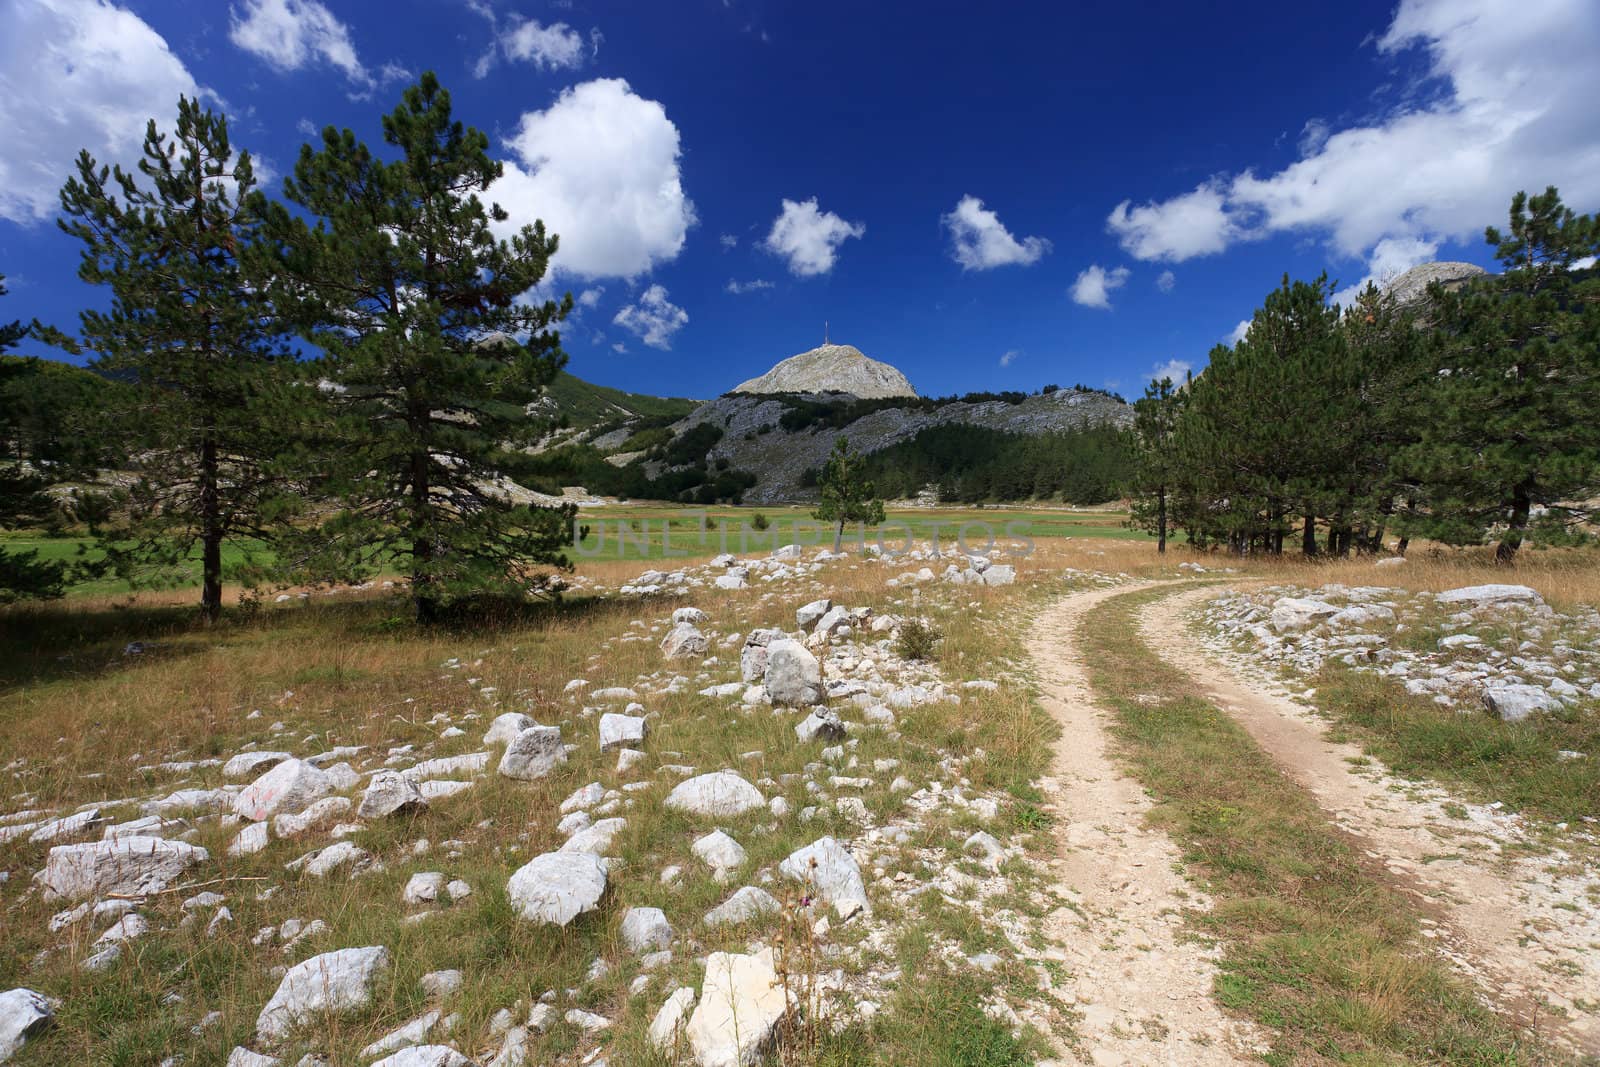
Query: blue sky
[[987, 197]]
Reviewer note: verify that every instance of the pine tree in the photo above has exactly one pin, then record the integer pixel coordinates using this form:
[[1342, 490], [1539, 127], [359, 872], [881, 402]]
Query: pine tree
[[432, 354], [847, 495], [1155, 420], [195, 337], [1511, 445], [23, 575]]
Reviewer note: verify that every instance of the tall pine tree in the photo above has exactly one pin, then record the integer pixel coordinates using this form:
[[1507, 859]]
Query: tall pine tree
[[23, 501], [196, 338], [1511, 445], [432, 353], [1155, 420]]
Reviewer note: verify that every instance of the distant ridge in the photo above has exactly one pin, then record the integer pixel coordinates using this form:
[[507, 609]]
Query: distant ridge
[[831, 369]]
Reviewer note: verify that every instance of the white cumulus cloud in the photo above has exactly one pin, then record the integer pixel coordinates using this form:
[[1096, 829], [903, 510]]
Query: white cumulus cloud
[[809, 238], [1094, 285], [1008, 358], [653, 318], [1238, 333], [1166, 281], [590, 297], [1516, 112], [1175, 369], [600, 167], [755, 285], [980, 242], [553, 47], [289, 34], [76, 74]]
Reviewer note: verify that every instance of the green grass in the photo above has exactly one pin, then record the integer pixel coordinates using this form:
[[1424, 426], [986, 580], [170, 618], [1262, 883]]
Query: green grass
[[1318, 946], [670, 535], [1515, 763]]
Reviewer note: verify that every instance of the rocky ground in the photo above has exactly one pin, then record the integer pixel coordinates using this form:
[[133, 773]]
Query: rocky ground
[[724, 889]]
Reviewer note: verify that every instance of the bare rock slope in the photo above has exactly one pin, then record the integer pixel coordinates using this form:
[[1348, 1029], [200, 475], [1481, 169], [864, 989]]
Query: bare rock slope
[[831, 369]]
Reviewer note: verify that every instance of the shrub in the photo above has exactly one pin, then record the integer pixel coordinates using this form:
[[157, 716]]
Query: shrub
[[917, 640]]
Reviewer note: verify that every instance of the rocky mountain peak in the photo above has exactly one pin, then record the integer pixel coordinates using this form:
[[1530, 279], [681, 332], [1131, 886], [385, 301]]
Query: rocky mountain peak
[[831, 369]]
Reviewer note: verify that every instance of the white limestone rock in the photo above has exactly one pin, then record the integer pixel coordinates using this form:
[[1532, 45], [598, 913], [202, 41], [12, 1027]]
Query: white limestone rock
[[831, 873], [250, 764], [746, 905], [621, 731], [23, 1014], [793, 677], [684, 640], [1514, 703], [557, 887], [720, 794], [666, 1029], [129, 866], [390, 793], [645, 929], [741, 1004], [333, 983], [506, 727], [533, 754], [288, 788]]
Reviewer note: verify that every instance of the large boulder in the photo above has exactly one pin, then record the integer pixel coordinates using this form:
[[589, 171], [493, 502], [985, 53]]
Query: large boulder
[[533, 753], [249, 764], [505, 728], [621, 731], [828, 870], [425, 1056], [1487, 596], [1299, 613], [793, 677], [23, 1014], [806, 617], [390, 793], [288, 788], [747, 904], [645, 929], [1513, 703], [129, 866], [684, 640], [557, 887], [720, 794], [667, 1027], [741, 1004], [334, 983], [753, 657]]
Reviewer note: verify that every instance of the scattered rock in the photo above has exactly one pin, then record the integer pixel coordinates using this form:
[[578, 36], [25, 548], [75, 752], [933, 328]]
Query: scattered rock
[[129, 866], [793, 677], [684, 640], [829, 871], [1513, 703], [823, 724], [667, 1027], [288, 788], [720, 794], [506, 727], [557, 887], [621, 731], [741, 1004], [333, 983], [390, 793], [644, 929], [533, 753], [744, 906], [23, 1014]]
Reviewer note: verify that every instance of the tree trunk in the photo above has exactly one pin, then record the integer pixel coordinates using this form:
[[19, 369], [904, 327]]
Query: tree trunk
[[423, 595], [838, 535], [1308, 536], [1401, 545], [1161, 519], [1521, 505], [210, 533]]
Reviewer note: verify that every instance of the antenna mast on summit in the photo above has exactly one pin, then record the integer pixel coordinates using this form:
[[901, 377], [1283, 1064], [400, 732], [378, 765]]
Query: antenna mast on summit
[[824, 331]]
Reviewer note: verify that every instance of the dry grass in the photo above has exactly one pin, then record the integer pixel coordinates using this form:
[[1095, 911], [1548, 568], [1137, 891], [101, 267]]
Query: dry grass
[[83, 722]]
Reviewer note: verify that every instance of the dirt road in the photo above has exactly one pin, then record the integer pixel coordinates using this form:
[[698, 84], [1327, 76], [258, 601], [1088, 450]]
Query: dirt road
[[1525, 926], [1144, 993]]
